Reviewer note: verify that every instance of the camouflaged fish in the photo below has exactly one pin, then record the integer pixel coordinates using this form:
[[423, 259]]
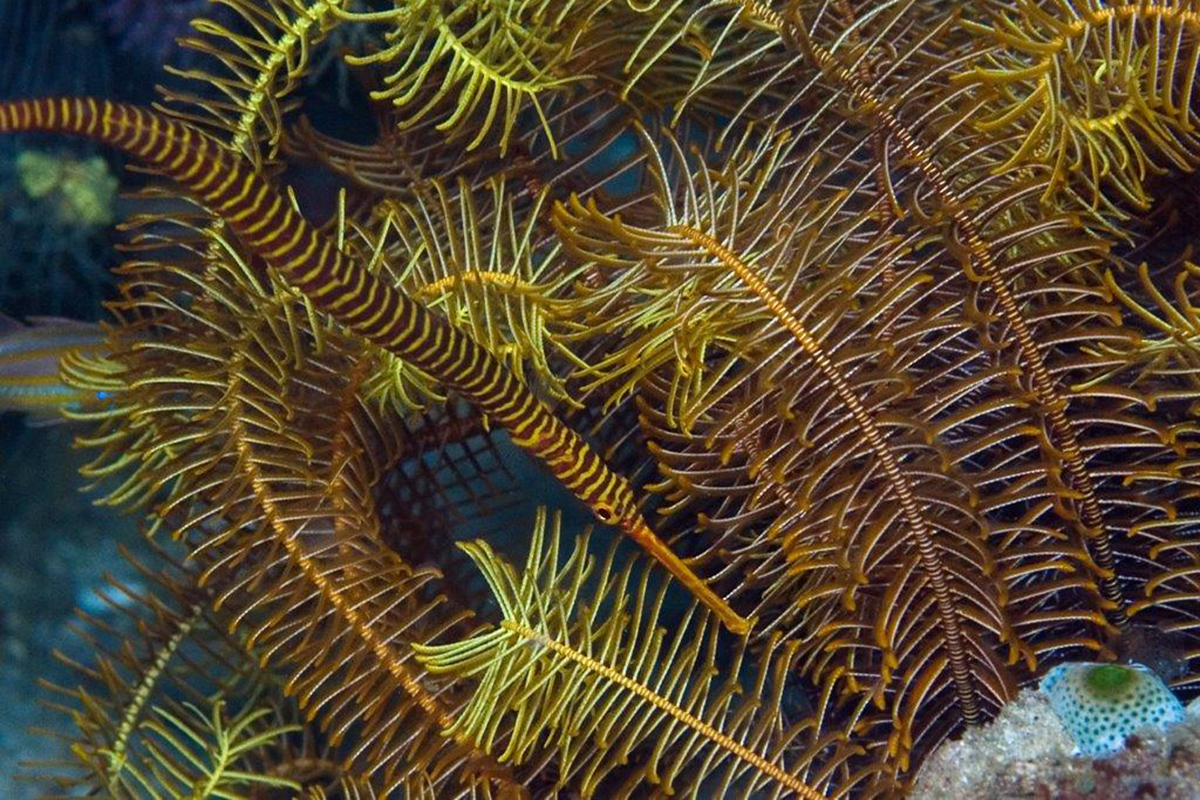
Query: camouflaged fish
[[1101, 704], [29, 365]]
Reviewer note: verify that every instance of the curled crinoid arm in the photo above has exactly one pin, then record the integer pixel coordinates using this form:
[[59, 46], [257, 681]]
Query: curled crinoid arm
[[257, 66], [1104, 95], [461, 63], [321, 550], [174, 702], [1167, 351]]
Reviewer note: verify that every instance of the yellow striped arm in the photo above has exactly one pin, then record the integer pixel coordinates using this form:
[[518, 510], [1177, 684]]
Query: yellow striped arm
[[340, 286]]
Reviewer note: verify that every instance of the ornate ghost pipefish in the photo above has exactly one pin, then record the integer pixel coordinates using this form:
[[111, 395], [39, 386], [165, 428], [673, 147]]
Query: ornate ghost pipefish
[[346, 290]]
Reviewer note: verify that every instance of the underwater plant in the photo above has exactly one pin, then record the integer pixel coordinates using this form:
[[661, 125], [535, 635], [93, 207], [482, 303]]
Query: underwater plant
[[842, 313]]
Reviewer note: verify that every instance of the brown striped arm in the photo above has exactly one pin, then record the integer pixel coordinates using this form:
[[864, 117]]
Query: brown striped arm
[[340, 286]]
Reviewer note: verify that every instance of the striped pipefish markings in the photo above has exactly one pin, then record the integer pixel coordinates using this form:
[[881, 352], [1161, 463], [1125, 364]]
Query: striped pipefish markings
[[377, 311]]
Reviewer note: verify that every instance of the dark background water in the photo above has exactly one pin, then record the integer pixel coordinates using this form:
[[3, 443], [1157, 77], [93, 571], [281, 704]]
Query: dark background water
[[55, 545]]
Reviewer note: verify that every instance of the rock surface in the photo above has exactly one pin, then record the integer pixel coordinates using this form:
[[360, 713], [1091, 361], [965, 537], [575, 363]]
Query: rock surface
[[1027, 753]]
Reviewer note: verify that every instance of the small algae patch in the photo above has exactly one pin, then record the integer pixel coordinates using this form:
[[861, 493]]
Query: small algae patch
[[1109, 680], [83, 191]]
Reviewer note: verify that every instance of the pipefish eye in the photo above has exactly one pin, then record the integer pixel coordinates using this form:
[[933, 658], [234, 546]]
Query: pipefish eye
[[606, 513]]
